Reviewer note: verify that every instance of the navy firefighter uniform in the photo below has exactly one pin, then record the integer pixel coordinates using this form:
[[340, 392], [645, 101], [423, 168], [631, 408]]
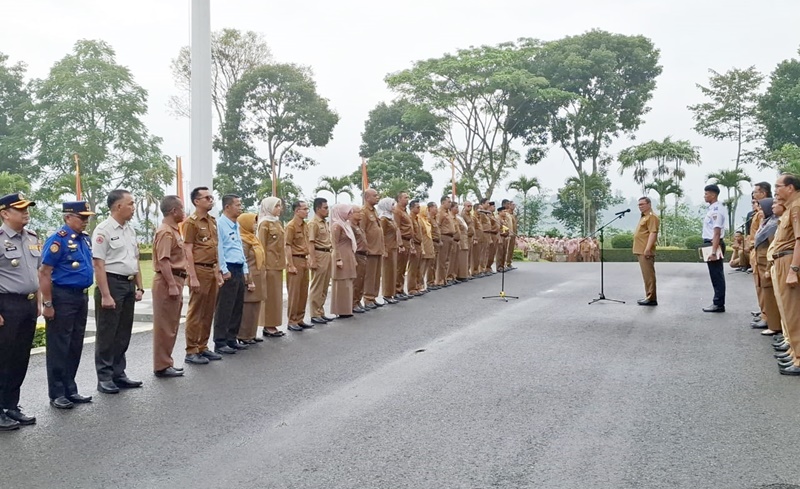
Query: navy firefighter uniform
[[67, 256]]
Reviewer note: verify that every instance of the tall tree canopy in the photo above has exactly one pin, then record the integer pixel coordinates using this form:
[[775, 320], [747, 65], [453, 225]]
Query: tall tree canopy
[[16, 134], [391, 172], [400, 126], [89, 105], [779, 107], [276, 107]]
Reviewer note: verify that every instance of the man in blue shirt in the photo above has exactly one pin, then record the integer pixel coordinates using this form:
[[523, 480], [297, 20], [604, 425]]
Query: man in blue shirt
[[64, 280], [233, 267]]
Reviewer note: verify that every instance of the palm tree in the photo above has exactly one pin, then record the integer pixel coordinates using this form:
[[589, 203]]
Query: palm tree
[[336, 186], [731, 180], [664, 188], [524, 185]]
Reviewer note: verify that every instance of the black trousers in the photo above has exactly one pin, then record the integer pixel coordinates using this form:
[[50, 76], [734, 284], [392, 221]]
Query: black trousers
[[230, 304], [716, 269], [16, 340], [113, 328], [65, 334]]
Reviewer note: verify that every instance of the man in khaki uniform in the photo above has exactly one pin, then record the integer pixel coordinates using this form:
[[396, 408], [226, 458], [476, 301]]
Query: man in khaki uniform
[[447, 230], [299, 258], [361, 259], [512, 234], [404, 224], [452, 266], [371, 226], [644, 247], [436, 238], [200, 242], [415, 258], [786, 265], [502, 236], [484, 237], [466, 214], [494, 236], [169, 262], [319, 236]]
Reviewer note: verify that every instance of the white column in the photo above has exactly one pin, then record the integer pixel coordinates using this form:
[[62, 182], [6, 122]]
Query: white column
[[200, 163]]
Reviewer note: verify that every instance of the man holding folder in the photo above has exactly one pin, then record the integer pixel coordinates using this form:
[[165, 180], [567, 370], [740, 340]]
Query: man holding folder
[[714, 226]]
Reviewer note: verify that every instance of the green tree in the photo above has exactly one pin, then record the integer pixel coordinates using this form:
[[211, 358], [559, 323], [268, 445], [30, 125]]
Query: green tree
[[277, 106], [664, 188], [610, 80], [578, 198], [475, 92], [400, 126], [89, 105], [16, 132], [336, 186], [786, 159], [779, 107], [731, 180], [533, 209], [686, 222], [732, 110], [11, 183], [524, 185], [233, 53], [393, 171]]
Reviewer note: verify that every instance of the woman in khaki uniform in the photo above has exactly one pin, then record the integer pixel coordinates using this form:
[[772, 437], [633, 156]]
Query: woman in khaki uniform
[[271, 235], [763, 239], [254, 253], [462, 267], [344, 260], [428, 251], [361, 258], [391, 242]]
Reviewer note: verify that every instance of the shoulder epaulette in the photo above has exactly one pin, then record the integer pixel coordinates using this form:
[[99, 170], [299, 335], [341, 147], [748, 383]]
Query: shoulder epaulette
[[62, 233], [31, 233], [193, 217]]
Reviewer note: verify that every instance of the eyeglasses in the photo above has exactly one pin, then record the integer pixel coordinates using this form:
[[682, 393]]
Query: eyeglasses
[[207, 197]]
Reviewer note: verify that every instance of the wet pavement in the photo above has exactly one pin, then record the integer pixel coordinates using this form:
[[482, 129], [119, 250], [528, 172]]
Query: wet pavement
[[448, 391]]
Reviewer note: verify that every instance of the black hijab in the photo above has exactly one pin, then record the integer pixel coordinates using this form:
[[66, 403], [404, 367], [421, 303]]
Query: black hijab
[[769, 225]]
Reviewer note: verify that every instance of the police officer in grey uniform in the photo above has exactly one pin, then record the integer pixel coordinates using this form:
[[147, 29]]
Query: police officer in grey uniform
[[115, 255], [19, 305]]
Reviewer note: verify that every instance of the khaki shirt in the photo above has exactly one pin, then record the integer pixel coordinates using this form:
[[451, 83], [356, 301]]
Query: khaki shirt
[[445, 221], [436, 235], [470, 224], [361, 241], [403, 222], [416, 228], [201, 233], [169, 244], [19, 264], [389, 234], [319, 233], [373, 231], [788, 227], [272, 238], [648, 224], [485, 220], [297, 237], [116, 245]]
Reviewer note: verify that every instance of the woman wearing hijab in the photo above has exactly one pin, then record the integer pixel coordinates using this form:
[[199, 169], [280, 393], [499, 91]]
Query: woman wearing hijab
[[428, 250], [344, 260], [391, 240], [270, 234], [254, 253], [764, 237], [462, 252]]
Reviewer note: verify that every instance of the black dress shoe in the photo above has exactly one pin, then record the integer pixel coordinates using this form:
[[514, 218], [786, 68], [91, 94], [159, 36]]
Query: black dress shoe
[[786, 363], [225, 350], [782, 354], [276, 334], [791, 370], [247, 342], [359, 310], [756, 313], [328, 318], [345, 316], [107, 387], [79, 399], [168, 372], [783, 347], [318, 320], [237, 346], [759, 324], [210, 355], [126, 383], [61, 403], [400, 297], [305, 325], [645, 302], [179, 369], [6, 423], [16, 415], [370, 306], [258, 340], [389, 300], [714, 308]]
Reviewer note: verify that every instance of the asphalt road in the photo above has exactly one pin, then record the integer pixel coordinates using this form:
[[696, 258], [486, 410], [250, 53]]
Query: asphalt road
[[448, 391]]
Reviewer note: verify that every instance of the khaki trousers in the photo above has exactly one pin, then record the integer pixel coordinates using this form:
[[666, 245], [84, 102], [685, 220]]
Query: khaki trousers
[[389, 273], [477, 257], [403, 260], [320, 282], [166, 321], [512, 243], [413, 283], [358, 283], [272, 306], [758, 282], [297, 287], [500, 252], [424, 274], [766, 293], [776, 287], [462, 271], [452, 267], [200, 315], [372, 278], [443, 259], [648, 266], [789, 300], [491, 252], [249, 326]]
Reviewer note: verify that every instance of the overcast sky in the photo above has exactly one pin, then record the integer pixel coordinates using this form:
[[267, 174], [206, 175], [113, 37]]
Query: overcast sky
[[352, 44]]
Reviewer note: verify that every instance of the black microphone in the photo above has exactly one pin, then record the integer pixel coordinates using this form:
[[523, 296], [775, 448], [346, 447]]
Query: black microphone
[[622, 213]]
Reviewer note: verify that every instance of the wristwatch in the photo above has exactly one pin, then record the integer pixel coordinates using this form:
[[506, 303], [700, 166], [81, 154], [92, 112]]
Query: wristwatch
[[47, 303], [140, 290], [795, 268]]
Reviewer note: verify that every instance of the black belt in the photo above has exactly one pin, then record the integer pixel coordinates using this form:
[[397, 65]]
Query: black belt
[[177, 273], [782, 253], [72, 289], [300, 256], [324, 250], [126, 278], [235, 266], [207, 265], [27, 297], [364, 253]]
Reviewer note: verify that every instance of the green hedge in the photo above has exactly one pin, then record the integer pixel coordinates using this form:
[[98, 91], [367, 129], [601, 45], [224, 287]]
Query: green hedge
[[518, 255], [622, 241], [39, 338], [147, 256], [694, 242], [682, 256]]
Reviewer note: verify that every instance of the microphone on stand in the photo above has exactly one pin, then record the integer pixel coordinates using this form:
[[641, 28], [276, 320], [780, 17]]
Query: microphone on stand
[[622, 213]]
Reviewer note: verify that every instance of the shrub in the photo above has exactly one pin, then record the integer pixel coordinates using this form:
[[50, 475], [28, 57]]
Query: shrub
[[39, 338], [622, 241], [693, 242], [519, 255]]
